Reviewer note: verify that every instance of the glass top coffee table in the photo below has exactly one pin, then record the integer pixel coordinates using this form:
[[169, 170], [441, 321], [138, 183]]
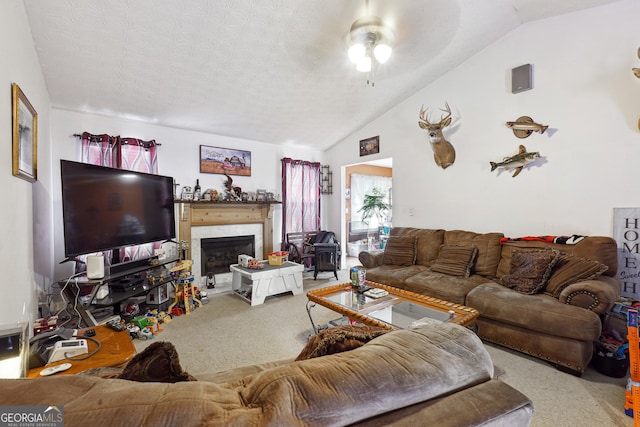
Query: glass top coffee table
[[399, 309]]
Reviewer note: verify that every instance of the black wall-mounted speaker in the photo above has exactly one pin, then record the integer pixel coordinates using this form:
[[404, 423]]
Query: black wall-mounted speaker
[[521, 78]]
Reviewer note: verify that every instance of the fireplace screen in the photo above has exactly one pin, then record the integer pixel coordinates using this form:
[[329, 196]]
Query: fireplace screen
[[218, 253]]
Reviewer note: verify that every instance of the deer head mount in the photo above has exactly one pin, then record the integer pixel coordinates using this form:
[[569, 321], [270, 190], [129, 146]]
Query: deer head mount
[[443, 152]]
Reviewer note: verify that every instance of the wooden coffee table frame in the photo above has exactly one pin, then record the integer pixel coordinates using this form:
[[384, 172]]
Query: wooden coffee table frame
[[463, 315]]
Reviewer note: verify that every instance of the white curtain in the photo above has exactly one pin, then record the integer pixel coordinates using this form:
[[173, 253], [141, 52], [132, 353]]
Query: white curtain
[[362, 185]]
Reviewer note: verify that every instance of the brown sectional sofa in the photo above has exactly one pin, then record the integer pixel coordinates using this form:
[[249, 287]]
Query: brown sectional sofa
[[432, 375], [557, 328]]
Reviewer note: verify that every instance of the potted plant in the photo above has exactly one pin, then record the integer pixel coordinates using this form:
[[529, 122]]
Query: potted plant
[[374, 205]]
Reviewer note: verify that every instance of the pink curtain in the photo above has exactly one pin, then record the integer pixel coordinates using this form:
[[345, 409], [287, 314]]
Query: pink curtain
[[129, 154], [138, 155], [300, 196], [99, 149]]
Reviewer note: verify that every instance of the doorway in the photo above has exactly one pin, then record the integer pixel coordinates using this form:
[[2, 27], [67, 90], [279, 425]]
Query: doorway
[[358, 235]]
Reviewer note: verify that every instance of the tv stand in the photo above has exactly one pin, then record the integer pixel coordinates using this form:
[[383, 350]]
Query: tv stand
[[129, 274], [72, 260]]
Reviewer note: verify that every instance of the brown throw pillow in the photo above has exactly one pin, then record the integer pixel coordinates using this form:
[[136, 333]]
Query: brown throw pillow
[[571, 269], [339, 339], [530, 270], [455, 260], [157, 363], [400, 250]]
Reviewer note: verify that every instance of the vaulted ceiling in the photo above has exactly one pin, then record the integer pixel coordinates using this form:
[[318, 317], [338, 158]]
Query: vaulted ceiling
[[274, 71]]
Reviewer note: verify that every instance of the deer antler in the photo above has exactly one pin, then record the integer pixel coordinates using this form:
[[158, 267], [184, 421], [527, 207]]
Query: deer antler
[[446, 110], [423, 115]]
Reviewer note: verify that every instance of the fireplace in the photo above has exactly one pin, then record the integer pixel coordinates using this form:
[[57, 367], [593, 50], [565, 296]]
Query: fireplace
[[218, 253]]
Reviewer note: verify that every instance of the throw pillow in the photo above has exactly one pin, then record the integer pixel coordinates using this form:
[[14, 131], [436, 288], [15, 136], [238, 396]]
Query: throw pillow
[[400, 250], [530, 270], [157, 363], [455, 260], [571, 269], [339, 339]]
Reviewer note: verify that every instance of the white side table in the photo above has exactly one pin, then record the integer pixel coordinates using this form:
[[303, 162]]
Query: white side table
[[255, 285]]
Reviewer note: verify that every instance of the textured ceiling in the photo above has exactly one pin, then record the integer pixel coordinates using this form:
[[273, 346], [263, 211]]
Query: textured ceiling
[[274, 71]]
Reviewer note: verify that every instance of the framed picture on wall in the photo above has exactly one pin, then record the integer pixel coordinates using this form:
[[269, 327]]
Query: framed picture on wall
[[225, 161], [370, 146], [25, 136]]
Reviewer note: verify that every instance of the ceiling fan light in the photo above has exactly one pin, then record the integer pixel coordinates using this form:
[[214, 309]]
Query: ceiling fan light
[[356, 52], [382, 52], [364, 64]]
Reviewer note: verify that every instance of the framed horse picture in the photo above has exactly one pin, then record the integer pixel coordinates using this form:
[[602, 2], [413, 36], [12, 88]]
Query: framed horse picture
[[225, 161]]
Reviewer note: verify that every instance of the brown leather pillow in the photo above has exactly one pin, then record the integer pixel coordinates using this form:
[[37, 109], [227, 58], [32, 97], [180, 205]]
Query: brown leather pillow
[[455, 260], [571, 269], [157, 363], [400, 251], [530, 270], [339, 339]]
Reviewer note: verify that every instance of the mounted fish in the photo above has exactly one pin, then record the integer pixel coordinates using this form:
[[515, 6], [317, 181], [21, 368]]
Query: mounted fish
[[516, 162], [443, 152], [525, 126]]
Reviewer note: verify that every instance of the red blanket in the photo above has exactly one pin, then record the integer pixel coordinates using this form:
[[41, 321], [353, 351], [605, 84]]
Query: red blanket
[[564, 240]]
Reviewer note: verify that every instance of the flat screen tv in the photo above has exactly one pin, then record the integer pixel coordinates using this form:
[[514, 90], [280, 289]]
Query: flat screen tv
[[106, 208]]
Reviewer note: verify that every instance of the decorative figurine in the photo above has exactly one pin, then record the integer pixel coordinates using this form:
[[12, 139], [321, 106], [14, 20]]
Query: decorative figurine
[[232, 193]]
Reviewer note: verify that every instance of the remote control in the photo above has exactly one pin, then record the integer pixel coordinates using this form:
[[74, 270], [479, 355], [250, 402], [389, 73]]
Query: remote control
[[116, 326], [90, 333], [55, 369]]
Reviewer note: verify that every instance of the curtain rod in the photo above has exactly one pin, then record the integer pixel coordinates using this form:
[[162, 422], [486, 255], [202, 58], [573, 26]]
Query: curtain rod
[[79, 135]]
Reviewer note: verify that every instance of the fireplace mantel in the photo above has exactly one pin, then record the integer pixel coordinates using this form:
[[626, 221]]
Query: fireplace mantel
[[202, 213]]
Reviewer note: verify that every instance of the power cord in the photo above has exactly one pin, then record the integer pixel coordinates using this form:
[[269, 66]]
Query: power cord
[[86, 356], [76, 294]]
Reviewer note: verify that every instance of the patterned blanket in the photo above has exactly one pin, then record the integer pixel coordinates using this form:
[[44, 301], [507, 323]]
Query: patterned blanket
[[563, 240]]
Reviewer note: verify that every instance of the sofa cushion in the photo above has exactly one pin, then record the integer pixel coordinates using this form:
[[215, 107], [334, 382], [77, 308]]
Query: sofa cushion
[[571, 269], [339, 339], [488, 245], [598, 248], [394, 275], [400, 251], [539, 314], [443, 286], [455, 260], [395, 370], [530, 270], [428, 242]]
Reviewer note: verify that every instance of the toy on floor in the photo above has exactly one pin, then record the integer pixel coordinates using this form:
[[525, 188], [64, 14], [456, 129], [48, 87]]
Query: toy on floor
[[185, 295], [154, 325], [164, 317], [146, 333], [134, 332]]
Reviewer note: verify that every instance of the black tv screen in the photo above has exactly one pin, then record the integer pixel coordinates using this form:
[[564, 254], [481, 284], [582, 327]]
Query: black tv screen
[[106, 208]]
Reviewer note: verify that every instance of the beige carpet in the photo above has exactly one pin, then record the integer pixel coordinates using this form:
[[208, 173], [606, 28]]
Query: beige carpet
[[228, 333]]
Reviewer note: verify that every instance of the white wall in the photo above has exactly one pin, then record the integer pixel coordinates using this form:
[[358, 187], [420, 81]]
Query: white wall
[[26, 214], [177, 157], [583, 89]]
